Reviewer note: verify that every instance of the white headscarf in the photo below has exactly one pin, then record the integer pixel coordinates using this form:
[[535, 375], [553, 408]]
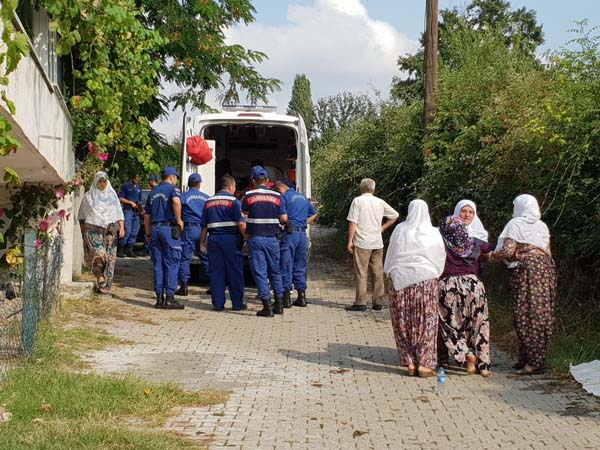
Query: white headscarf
[[525, 226], [416, 252], [100, 208], [475, 229]]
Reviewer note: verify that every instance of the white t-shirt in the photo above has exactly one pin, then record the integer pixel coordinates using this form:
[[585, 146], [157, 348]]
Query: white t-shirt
[[367, 212]]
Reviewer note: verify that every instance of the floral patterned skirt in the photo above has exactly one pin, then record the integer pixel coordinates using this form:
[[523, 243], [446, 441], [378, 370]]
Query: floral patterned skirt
[[533, 288], [101, 252], [414, 314], [464, 319]]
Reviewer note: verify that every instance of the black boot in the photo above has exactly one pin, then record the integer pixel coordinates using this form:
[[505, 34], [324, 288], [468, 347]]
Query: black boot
[[160, 301], [301, 300], [171, 303], [120, 251], [129, 252], [267, 310], [278, 307], [287, 301], [183, 289]]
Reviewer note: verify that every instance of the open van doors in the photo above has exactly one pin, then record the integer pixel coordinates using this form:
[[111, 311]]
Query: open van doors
[[206, 171]]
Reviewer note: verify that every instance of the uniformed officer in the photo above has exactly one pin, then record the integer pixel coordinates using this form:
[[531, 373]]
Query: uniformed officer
[[225, 227], [163, 226], [294, 253], [265, 210], [152, 180], [192, 205], [130, 197]]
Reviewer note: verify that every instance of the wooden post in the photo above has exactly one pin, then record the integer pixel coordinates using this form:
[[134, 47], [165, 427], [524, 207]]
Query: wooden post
[[431, 66]]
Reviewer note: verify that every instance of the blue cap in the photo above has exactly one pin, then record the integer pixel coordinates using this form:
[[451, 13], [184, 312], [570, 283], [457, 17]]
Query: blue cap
[[194, 178], [289, 184], [153, 177], [259, 172], [168, 171]]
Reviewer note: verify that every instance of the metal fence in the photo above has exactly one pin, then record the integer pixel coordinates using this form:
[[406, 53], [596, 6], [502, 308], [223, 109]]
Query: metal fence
[[29, 292]]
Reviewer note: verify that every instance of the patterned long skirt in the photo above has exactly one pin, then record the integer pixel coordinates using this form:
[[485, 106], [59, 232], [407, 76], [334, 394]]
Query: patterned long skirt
[[533, 288], [464, 319], [101, 252], [414, 315]]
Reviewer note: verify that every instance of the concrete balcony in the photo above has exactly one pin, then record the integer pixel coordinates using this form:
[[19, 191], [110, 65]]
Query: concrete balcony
[[42, 122]]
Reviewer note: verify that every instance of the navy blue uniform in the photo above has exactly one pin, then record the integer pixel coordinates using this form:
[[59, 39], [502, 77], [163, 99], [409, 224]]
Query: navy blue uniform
[[166, 250], [192, 205], [294, 248], [132, 219], [222, 213], [263, 207]]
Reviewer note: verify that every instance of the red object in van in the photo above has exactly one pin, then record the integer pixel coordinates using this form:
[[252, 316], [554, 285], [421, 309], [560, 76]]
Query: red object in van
[[198, 150]]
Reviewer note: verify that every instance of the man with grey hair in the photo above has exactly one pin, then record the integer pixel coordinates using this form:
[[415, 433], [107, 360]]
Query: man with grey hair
[[365, 243]]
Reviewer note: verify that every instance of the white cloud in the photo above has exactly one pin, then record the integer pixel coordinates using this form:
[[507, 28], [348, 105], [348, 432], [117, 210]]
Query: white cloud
[[334, 42]]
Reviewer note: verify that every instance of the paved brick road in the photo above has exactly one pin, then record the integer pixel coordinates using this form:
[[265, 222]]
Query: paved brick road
[[323, 378]]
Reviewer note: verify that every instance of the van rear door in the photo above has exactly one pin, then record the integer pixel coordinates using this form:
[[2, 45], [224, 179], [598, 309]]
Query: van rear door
[[206, 171], [303, 173]]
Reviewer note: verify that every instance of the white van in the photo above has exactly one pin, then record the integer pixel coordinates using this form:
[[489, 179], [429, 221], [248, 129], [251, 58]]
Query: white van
[[242, 136]]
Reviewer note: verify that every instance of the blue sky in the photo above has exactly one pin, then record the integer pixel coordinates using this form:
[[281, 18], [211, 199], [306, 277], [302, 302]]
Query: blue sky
[[353, 45]]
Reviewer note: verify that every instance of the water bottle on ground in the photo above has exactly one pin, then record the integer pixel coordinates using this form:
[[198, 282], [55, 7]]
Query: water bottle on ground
[[440, 389]]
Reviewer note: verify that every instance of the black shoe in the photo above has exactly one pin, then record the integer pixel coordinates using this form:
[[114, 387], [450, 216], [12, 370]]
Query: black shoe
[[129, 252], [377, 307], [301, 300], [208, 292], [183, 289], [240, 308], [171, 303], [519, 365], [267, 310], [356, 308], [120, 251], [218, 308], [287, 301], [278, 306], [160, 301]]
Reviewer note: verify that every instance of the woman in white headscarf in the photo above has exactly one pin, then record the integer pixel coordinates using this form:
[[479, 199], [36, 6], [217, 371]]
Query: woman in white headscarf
[[524, 245], [467, 211], [414, 260], [102, 225]]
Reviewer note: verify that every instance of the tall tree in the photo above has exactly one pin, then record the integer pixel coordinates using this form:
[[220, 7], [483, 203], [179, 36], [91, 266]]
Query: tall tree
[[518, 28], [301, 103]]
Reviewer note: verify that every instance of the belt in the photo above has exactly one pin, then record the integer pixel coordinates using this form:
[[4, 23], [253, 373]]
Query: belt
[[298, 229], [192, 224], [162, 224]]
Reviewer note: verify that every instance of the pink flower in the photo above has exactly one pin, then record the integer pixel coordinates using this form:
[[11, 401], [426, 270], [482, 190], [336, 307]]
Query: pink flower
[[60, 193], [91, 147], [38, 244], [1, 212], [44, 224], [62, 213], [103, 156], [78, 182]]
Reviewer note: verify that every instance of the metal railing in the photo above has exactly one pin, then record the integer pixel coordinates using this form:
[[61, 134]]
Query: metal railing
[[28, 294]]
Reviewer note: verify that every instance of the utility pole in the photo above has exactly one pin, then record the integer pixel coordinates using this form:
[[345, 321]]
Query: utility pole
[[431, 66]]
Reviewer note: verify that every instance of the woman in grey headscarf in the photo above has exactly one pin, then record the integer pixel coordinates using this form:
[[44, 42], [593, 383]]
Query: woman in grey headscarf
[[102, 225], [524, 246]]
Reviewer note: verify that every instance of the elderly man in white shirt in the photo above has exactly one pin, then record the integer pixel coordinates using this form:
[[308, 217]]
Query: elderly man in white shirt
[[366, 244]]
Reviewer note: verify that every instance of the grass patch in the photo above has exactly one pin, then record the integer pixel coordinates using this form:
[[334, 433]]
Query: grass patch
[[104, 309], [56, 408]]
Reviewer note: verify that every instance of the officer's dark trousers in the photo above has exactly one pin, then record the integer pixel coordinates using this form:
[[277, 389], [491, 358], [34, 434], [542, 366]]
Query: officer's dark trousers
[[166, 253], [132, 224], [190, 241], [264, 263], [294, 258], [226, 269]]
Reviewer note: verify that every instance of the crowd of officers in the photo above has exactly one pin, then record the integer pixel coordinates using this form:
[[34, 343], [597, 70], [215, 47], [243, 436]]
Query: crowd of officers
[[270, 221]]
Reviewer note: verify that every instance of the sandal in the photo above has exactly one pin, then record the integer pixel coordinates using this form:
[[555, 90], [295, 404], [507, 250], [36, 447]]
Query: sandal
[[485, 373], [537, 371], [424, 372], [412, 371], [519, 365]]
